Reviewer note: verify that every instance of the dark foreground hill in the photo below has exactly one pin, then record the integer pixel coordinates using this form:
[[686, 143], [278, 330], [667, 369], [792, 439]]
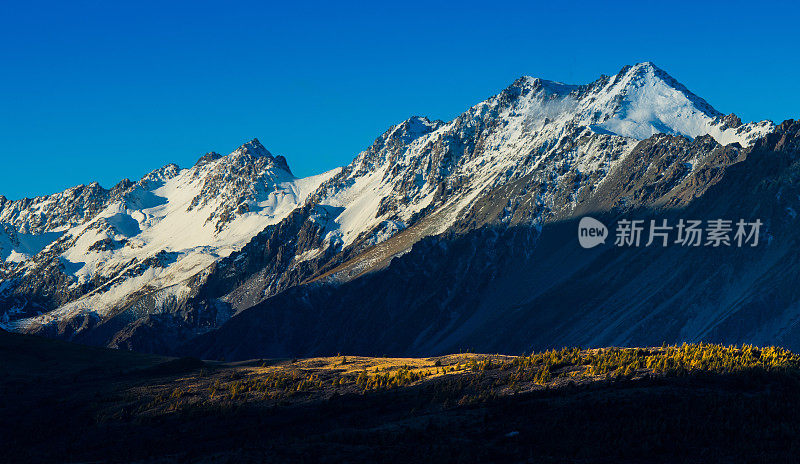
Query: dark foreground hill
[[693, 403]]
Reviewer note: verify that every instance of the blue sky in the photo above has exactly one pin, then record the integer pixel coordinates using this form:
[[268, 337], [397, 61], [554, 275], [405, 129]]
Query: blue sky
[[107, 90]]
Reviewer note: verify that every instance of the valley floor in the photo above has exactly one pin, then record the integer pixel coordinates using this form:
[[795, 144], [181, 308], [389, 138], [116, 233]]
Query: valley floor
[[61, 402]]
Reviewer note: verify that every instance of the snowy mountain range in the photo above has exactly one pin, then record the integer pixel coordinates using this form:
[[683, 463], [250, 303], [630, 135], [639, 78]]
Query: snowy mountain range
[[181, 259]]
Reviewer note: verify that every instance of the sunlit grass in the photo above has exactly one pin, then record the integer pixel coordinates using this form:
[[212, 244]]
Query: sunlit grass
[[464, 377]]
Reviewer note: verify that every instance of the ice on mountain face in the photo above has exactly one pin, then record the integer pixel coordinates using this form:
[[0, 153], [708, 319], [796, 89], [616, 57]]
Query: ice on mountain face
[[643, 100], [29, 225], [376, 176], [638, 102], [175, 222], [552, 131], [18, 247]]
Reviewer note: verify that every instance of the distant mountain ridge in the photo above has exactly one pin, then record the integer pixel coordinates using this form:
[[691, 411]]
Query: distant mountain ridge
[[182, 252]]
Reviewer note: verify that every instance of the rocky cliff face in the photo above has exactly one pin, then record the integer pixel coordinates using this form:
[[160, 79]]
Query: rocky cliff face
[[183, 251]]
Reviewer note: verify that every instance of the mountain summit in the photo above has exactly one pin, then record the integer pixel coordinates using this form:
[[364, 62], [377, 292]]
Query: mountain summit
[[639, 101], [253, 148]]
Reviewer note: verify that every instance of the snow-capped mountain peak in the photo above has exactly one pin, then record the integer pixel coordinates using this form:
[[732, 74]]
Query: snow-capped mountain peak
[[643, 100], [562, 137], [252, 148], [207, 158], [639, 101]]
